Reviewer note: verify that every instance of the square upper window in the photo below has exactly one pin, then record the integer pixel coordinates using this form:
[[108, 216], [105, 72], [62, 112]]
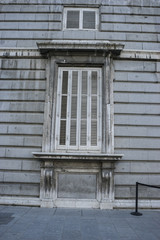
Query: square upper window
[[80, 18]]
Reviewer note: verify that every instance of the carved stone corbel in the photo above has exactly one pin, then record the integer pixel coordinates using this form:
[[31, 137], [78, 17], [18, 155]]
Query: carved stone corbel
[[107, 184], [47, 180]]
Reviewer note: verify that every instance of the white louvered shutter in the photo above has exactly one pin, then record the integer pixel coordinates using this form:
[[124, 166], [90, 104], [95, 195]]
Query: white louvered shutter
[[79, 117], [94, 108], [83, 113], [63, 113], [74, 102]]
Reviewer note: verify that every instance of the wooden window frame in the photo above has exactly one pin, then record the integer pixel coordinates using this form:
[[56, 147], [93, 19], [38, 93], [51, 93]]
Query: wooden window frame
[[81, 10], [79, 147]]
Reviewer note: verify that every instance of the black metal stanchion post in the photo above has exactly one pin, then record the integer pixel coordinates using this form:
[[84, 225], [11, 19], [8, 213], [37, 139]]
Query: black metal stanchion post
[[136, 213]]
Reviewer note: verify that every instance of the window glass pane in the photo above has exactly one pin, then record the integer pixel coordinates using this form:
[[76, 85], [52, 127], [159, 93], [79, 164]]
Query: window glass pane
[[94, 82], [72, 19], [83, 140], [74, 82], [74, 107], [64, 107], [73, 131], [88, 20], [65, 82], [93, 133], [94, 107], [63, 132], [83, 107], [84, 82]]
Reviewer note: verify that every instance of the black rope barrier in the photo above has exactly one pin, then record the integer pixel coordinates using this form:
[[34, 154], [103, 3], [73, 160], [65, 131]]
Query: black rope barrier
[[136, 213]]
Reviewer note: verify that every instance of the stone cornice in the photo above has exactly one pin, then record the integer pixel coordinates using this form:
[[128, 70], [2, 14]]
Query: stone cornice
[[20, 53], [140, 54], [80, 45], [34, 52], [76, 156]]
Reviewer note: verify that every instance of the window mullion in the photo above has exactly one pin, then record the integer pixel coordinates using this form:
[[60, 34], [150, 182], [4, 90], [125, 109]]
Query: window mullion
[[81, 19]]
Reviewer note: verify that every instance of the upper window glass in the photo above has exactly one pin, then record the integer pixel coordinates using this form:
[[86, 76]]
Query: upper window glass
[[80, 18]]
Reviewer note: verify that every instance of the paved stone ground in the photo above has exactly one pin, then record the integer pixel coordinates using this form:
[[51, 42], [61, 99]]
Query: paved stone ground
[[31, 223]]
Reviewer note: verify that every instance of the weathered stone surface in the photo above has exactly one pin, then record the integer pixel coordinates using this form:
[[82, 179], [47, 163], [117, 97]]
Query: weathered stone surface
[[133, 178], [137, 120], [22, 118], [16, 152], [31, 190], [137, 97], [22, 64], [139, 154], [137, 131], [135, 66], [77, 186], [17, 74], [137, 76], [134, 23], [20, 107], [136, 87], [144, 192], [138, 108], [22, 177], [135, 143]]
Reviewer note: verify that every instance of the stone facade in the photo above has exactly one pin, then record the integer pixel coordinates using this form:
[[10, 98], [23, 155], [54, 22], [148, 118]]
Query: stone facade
[[126, 47]]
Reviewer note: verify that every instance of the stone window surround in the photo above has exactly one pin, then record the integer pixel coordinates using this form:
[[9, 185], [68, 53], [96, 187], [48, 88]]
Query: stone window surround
[[64, 53], [90, 53]]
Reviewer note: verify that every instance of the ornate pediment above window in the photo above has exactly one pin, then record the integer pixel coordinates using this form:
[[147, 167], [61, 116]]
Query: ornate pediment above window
[[81, 45]]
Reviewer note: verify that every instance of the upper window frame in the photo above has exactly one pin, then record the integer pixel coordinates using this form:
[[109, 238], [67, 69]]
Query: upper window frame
[[81, 10]]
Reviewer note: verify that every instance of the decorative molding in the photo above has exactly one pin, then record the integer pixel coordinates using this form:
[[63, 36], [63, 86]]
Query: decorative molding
[[19, 53], [140, 54], [34, 52]]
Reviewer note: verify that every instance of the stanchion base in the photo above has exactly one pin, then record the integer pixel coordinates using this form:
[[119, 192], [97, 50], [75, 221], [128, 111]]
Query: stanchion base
[[136, 213]]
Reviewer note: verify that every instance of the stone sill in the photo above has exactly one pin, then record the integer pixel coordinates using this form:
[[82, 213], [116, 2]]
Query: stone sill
[[76, 157]]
